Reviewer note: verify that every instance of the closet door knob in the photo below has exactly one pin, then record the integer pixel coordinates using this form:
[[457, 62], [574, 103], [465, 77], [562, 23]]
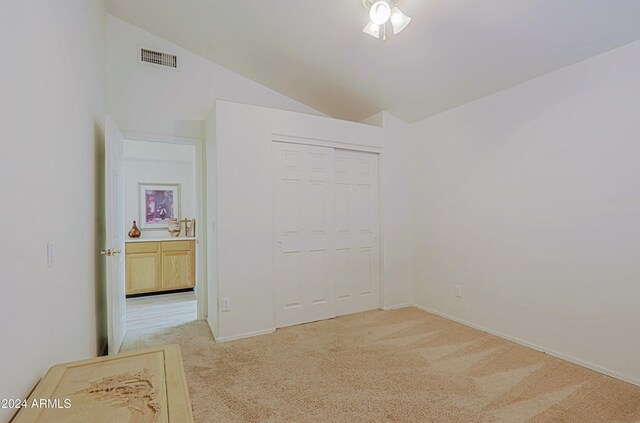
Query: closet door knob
[[279, 244]]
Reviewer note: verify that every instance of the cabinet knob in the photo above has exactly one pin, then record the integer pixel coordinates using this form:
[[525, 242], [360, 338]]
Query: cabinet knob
[[279, 244]]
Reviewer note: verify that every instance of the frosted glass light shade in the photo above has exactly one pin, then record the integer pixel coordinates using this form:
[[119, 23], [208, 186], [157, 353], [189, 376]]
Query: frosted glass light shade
[[380, 12], [399, 20], [372, 29]]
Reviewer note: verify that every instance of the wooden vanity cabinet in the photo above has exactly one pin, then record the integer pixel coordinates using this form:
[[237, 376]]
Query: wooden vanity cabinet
[[178, 265], [142, 260], [155, 266]]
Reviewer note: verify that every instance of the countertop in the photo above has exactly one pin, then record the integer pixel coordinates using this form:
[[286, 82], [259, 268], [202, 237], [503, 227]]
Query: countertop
[[169, 238]]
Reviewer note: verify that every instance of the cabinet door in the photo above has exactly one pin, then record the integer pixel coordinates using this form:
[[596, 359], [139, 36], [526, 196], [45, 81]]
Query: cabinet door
[[143, 272], [178, 265]]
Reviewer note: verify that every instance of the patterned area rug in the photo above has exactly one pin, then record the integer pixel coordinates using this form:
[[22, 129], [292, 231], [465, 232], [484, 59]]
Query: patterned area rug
[[387, 366]]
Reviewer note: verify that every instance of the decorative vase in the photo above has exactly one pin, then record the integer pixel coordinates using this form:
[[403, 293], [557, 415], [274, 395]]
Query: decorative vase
[[134, 232], [174, 227]]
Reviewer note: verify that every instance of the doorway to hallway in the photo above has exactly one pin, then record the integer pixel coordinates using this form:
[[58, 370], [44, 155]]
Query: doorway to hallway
[[161, 204]]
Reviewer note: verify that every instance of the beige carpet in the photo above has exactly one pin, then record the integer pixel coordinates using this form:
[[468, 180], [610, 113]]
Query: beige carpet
[[395, 366]]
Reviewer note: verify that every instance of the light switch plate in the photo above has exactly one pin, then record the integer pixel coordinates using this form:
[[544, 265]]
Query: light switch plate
[[50, 254]]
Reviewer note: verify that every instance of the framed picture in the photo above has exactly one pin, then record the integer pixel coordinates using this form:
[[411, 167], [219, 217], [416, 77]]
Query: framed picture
[[158, 204]]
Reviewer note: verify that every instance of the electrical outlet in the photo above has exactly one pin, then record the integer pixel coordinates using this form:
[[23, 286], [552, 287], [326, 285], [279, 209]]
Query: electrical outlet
[[458, 289], [226, 304]]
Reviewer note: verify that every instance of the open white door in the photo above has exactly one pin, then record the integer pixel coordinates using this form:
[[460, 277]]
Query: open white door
[[114, 254]]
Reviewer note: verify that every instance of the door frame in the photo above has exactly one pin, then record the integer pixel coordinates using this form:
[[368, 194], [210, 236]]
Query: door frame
[[290, 139], [201, 243]]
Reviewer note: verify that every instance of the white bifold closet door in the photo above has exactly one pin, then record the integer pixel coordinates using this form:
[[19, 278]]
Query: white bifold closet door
[[326, 233], [304, 220], [357, 232]]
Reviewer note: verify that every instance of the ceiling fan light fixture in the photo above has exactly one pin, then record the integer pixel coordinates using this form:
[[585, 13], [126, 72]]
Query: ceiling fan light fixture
[[372, 29], [380, 12], [399, 20]]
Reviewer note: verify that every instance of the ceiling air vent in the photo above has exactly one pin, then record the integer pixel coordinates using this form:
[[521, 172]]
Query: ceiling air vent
[[159, 58]]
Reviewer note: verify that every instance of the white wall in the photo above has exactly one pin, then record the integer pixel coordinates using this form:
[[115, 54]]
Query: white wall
[[242, 188], [51, 115], [160, 163], [210, 219], [397, 206], [530, 199], [148, 99]]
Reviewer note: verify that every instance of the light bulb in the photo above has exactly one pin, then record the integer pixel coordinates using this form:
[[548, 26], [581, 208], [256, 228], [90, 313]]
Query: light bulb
[[399, 20], [380, 12], [372, 29]]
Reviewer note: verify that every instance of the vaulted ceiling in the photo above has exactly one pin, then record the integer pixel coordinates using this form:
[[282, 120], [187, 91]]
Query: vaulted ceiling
[[453, 52]]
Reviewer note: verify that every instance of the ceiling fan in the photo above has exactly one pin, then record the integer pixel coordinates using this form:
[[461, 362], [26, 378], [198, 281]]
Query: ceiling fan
[[381, 12]]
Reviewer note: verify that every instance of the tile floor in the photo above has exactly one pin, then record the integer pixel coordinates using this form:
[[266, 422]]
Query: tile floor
[[156, 312]]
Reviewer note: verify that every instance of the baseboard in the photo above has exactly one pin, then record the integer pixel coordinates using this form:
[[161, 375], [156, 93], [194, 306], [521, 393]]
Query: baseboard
[[397, 306], [243, 335], [536, 347]]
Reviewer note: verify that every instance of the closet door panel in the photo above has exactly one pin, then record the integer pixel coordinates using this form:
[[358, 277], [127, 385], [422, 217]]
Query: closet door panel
[[304, 227], [358, 227]]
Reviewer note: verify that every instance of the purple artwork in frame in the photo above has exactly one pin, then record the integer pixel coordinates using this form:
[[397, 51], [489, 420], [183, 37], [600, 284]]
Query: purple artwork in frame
[[158, 204]]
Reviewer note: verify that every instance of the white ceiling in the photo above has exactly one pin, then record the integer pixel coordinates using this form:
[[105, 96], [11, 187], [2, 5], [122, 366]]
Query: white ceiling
[[454, 51]]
